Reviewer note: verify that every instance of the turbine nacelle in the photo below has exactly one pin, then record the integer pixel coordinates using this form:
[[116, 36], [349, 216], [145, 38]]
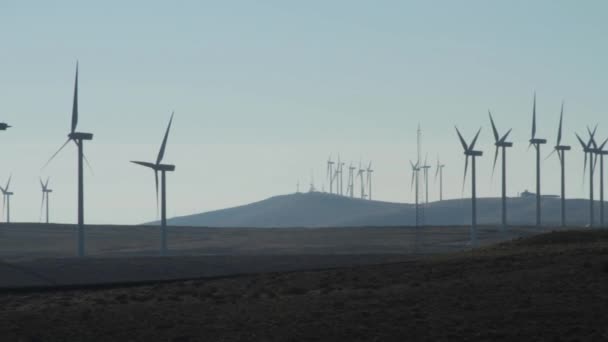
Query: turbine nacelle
[[537, 141], [4, 126], [155, 167], [563, 148], [473, 153], [80, 136]]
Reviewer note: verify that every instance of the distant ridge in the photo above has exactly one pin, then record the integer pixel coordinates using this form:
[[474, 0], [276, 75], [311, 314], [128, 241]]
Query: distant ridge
[[318, 209]]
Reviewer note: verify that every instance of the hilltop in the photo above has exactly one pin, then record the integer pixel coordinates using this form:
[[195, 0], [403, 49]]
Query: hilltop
[[327, 210]]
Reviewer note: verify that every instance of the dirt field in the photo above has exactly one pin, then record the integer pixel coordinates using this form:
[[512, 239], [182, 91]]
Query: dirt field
[[549, 287]]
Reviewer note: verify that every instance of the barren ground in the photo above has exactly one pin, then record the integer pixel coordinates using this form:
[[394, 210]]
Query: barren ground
[[548, 287]]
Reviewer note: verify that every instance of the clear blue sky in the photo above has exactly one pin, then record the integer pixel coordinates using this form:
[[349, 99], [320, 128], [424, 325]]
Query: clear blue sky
[[264, 91]]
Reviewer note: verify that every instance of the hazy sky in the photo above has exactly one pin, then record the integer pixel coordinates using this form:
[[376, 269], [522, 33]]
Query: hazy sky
[[264, 91]]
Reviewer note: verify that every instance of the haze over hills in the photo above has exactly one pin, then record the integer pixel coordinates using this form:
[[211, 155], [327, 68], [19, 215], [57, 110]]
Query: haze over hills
[[317, 209]]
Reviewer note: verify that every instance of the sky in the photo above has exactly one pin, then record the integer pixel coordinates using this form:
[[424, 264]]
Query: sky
[[265, 91]]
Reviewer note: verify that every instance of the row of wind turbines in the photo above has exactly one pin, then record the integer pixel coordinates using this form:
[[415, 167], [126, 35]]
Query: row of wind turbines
[[79, 139], [335, 175], [591, 149], [6, 199]]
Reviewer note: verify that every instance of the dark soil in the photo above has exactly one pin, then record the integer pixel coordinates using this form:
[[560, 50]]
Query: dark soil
[[551, 287]]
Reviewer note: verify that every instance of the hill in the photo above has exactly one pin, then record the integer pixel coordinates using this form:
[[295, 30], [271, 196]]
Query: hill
[[326, 210]]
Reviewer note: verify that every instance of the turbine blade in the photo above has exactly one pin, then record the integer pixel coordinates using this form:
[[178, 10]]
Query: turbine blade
[[75, 104], [41, 184], [156, 181], [601, 148], [582, 142], [86, 160], [495, 160], [8, 184], [585, 168], [161, 153], [41, 205], [146, 164], [56, 153], [436, 171], [559, 155], [550, 154], [475, 140], [534, 117], [462, 142], [466, 166], [493, 127], [413, 175], [46, 184], [559, 130], [592, 137], [504, 137]]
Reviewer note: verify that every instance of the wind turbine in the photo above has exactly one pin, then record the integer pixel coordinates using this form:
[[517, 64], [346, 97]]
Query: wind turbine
[[369, 181], [439, 171], [415, 171], [79, 138], [469, 151], [537, 142], [162, 168], [589, 150], [330, 174], [7, 199], [45, 197], [351, 180], [501, 144], [561, 154], [360, 175], [340, 168]]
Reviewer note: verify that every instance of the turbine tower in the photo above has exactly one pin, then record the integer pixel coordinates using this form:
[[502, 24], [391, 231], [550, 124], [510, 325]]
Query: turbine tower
[[45, 198], [501, 144], [425, 178], [415, 171], [7, 199], [162, 168], [589, 150], [78, 138], [469, 151], [369, 180], [537, 142], [561, 154], [439, 172], [340, 167], [330, 174], [601, 152]]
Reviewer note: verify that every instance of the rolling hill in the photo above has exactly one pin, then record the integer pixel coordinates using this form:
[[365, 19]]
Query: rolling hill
[[327, 210]]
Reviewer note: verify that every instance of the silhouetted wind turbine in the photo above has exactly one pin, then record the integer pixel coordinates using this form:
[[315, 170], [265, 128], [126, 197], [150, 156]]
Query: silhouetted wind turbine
[[501, 144], [7, 199], [45, 198], [588, 150], [537, 142], [351, 180], [561, 154], [415, 172], [78, 138], [361, 181], [369, 181], [162, 168], [439, 171], [470, 152]]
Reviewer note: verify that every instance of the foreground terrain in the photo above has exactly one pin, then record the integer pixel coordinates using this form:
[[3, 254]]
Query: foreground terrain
[[547, 287]]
